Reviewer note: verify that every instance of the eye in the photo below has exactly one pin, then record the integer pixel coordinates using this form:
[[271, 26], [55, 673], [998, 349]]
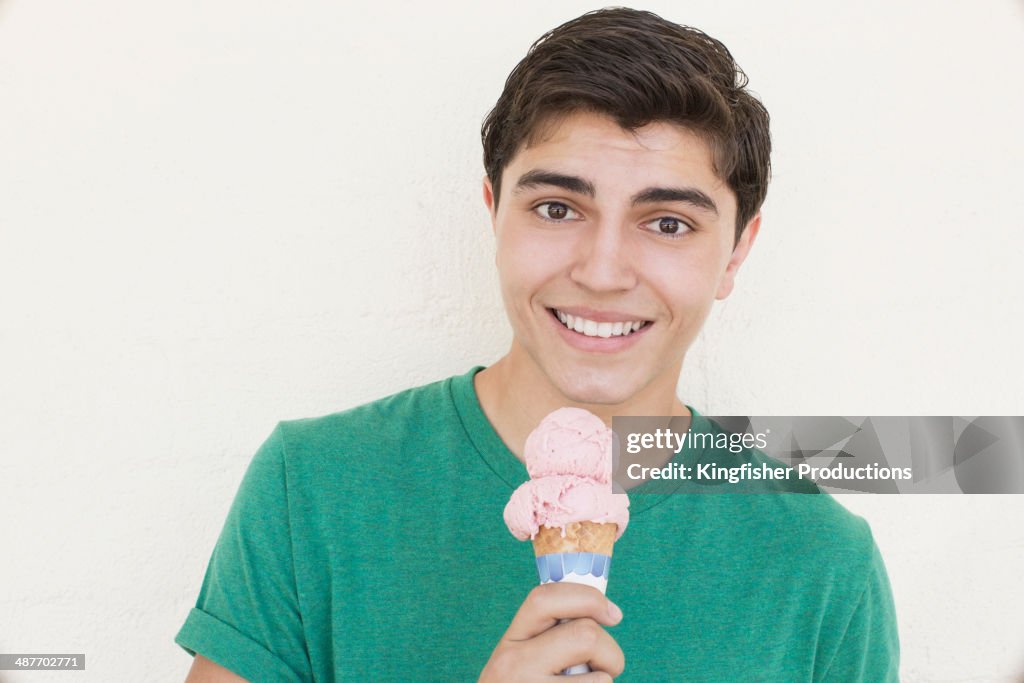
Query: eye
[[555, 211], [668, 226]]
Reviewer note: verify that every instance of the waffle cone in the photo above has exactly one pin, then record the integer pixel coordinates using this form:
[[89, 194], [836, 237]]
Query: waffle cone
[[580, 537]]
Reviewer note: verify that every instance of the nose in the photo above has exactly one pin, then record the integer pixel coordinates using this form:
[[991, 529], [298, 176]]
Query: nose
[[604, 258]]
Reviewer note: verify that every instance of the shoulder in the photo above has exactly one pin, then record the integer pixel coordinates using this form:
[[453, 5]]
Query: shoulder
[[795, 514], [820, 526], [383, 419]]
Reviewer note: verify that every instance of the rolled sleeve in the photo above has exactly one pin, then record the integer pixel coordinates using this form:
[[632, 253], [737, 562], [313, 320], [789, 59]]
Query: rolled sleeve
[[222, 643], [247, 616]]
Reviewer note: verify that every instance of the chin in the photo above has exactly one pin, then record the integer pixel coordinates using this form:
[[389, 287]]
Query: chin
[[598, 390]]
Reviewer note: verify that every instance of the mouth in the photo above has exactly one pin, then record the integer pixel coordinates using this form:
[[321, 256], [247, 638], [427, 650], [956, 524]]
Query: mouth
[[602, 330]]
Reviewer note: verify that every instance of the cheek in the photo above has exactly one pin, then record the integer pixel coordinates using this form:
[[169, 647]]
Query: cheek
[[525, 262], [686, 284]]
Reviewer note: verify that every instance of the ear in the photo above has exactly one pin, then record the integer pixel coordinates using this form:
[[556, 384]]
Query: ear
[[489, 201], [739, 255]]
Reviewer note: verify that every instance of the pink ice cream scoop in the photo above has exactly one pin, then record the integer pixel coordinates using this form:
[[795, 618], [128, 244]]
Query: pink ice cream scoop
[[569, 459], [570, 441]]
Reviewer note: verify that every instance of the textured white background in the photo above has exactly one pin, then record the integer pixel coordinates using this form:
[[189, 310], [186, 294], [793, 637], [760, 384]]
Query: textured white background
[[218, 215]]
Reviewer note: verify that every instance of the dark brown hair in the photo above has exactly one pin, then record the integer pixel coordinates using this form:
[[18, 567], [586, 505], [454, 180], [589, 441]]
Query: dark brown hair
[[637, 68]]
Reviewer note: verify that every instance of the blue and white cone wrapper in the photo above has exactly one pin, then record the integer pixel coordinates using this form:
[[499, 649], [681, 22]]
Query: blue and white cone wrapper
[[590, 569]]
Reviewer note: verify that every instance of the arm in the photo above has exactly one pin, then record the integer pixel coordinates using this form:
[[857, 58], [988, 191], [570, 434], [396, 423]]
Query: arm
[[247, 616], [205, 671], [870, 648]]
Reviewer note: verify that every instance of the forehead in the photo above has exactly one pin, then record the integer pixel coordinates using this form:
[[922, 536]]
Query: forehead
[[617, 160]]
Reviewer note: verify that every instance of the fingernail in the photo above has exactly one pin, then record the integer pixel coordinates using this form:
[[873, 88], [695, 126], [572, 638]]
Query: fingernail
[[614, 612]]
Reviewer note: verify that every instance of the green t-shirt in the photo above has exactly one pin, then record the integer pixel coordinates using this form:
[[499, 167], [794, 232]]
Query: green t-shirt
[[370, 545]]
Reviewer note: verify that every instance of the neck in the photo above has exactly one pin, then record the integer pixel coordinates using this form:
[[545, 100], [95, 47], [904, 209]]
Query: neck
[[516, 395]]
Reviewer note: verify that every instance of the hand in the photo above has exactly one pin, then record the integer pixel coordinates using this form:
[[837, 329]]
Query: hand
[[537, 647]]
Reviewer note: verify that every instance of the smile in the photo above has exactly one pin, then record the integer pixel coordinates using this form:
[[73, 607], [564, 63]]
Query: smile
[[592, 328]]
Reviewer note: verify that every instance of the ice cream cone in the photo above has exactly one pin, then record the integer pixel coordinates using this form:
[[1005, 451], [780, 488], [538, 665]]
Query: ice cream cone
[[569, 460], [582, 555], [579, 537]]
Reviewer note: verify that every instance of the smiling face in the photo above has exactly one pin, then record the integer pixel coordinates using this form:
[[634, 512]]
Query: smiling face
[[624, 237]]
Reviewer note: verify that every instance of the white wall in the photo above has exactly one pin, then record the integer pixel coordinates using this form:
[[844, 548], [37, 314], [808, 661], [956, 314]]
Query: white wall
[[218, 215]]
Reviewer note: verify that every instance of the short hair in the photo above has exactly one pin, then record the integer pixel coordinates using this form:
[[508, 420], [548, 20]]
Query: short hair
[[637, 68]]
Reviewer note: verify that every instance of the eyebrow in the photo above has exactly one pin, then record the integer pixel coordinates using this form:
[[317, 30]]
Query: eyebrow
[[539, 177], [651, 195], [687, 195]]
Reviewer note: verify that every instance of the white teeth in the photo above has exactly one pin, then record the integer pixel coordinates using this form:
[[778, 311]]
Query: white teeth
[[592, 328]]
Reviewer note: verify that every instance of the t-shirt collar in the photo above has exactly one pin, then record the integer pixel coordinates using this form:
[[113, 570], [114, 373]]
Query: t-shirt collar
[[507, 467]]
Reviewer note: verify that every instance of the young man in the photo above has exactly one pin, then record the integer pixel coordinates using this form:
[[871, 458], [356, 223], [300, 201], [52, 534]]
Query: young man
[[626, 166]]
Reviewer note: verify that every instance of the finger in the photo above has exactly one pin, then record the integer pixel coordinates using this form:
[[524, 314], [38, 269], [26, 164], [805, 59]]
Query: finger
[[578, 641], [551, 602]]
